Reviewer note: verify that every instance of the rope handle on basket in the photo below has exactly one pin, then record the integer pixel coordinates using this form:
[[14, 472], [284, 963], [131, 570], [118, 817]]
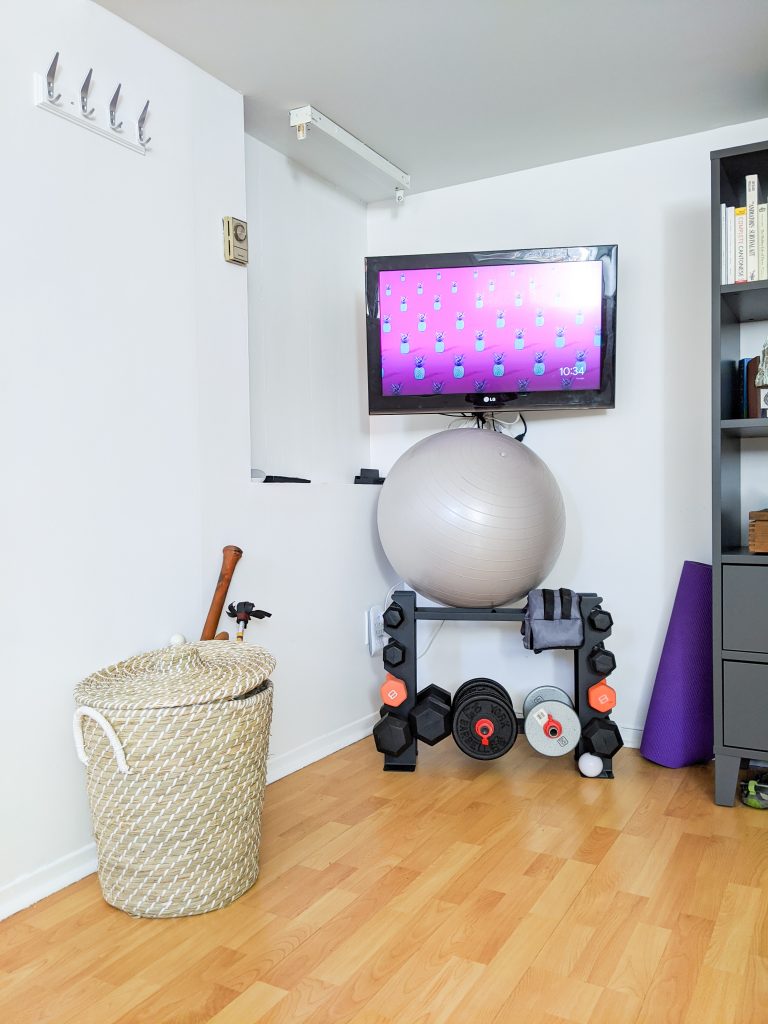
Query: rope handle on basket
[[114, 742]]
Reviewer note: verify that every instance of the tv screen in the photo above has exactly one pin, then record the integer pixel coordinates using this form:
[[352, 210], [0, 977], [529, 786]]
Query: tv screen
[[466, 332]]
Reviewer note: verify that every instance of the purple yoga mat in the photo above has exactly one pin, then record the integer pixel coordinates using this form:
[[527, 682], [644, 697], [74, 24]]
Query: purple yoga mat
[[679, 728]]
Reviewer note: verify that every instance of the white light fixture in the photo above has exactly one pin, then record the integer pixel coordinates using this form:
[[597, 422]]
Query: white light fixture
[[304, 118]]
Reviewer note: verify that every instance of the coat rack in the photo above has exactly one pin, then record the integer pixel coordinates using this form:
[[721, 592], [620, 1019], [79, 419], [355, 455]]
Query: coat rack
[[75, 108]]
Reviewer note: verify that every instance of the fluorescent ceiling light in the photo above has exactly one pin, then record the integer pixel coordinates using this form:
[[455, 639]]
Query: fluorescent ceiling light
[[303, 118]]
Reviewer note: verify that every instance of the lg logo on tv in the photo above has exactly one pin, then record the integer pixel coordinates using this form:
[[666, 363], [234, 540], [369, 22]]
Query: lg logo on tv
[[488, 398]]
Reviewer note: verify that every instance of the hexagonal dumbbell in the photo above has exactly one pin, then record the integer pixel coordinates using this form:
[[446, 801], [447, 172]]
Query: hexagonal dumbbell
[[393, 654], [601, 696], [392, 734], [602, 737], [431, 717], [393, 691], [601, 662], [600, 619], [393, 616]]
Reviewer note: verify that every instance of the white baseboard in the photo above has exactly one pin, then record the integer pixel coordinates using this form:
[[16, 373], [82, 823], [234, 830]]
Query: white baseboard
[[284, 764], [631, 737], [28, 889]]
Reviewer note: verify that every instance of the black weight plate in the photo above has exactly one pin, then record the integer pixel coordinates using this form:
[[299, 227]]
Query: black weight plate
[[487, 684], [471, 712], [481, 693], [469, 738], [481, 682]]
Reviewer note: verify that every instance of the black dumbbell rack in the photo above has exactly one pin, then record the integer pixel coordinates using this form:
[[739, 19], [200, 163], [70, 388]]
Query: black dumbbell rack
[[401, 618]]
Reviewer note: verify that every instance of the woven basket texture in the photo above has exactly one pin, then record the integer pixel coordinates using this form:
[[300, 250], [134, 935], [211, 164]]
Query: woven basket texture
[[179, 833]]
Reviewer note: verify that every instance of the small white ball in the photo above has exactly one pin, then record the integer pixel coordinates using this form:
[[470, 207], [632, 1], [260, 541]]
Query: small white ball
[[177, 638], [590, 765]]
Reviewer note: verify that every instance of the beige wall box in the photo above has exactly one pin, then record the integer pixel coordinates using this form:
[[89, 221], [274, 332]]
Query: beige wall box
[[235, 241]]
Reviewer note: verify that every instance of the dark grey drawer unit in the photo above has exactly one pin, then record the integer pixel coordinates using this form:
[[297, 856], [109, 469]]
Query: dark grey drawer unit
[[745, 608], [745, 704]]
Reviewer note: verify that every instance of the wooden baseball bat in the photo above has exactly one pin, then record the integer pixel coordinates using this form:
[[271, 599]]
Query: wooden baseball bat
[[231, 556]]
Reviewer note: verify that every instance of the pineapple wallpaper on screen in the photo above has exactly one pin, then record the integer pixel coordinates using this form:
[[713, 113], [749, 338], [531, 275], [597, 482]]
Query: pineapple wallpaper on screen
[[531, 327]]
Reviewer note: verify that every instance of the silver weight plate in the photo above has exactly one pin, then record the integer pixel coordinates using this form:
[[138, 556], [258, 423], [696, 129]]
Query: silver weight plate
[[545, 693], [552, 728]]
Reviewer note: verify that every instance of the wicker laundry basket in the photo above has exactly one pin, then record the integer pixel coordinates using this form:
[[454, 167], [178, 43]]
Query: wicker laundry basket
[[175, 743]]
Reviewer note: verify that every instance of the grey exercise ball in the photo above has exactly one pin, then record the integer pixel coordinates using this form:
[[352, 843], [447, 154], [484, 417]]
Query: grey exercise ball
[[471, 518]]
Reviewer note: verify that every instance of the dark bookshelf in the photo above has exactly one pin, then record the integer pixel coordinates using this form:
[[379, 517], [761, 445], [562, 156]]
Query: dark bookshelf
[[745, 428], [747, 302], [739, 579], [742, 556]]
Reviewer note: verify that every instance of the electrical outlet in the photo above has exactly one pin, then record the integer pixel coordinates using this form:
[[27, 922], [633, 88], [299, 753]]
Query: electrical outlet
[[377, 638]]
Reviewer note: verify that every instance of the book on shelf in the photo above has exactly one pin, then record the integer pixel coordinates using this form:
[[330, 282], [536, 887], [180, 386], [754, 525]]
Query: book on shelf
[[730, 212], [723, 246], [753, 392], [754, 198], [741, 389], [748, 397], [740, 245], [744, 236]]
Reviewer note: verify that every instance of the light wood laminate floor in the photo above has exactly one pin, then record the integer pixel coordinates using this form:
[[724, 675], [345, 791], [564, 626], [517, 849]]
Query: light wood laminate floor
[[465, 892]]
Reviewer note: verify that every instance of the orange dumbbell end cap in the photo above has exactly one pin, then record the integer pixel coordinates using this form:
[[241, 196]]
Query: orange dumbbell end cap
[[601, 696], [393, 691]]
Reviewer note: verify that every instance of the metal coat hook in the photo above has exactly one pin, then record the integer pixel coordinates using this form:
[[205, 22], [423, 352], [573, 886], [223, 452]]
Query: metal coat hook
[[113, 110], [50, 80], [84, 90], [81, 110], [141, 122]]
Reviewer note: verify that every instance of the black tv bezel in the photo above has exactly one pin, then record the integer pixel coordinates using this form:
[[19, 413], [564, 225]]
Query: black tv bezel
[[603, 397]]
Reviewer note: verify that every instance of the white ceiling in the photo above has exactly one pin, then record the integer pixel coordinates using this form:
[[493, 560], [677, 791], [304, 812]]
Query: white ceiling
[[453, 90]]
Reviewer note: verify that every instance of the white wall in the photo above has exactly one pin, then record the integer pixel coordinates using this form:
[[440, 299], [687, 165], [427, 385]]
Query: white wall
[[312, 555], [100, 523], [309, 411], [125, 389], [636, 480]]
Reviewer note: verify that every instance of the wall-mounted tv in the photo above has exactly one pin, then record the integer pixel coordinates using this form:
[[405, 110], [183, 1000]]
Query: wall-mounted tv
[[471, 331]]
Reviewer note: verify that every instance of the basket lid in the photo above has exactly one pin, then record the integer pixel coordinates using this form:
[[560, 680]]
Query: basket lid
[[178, 676]]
